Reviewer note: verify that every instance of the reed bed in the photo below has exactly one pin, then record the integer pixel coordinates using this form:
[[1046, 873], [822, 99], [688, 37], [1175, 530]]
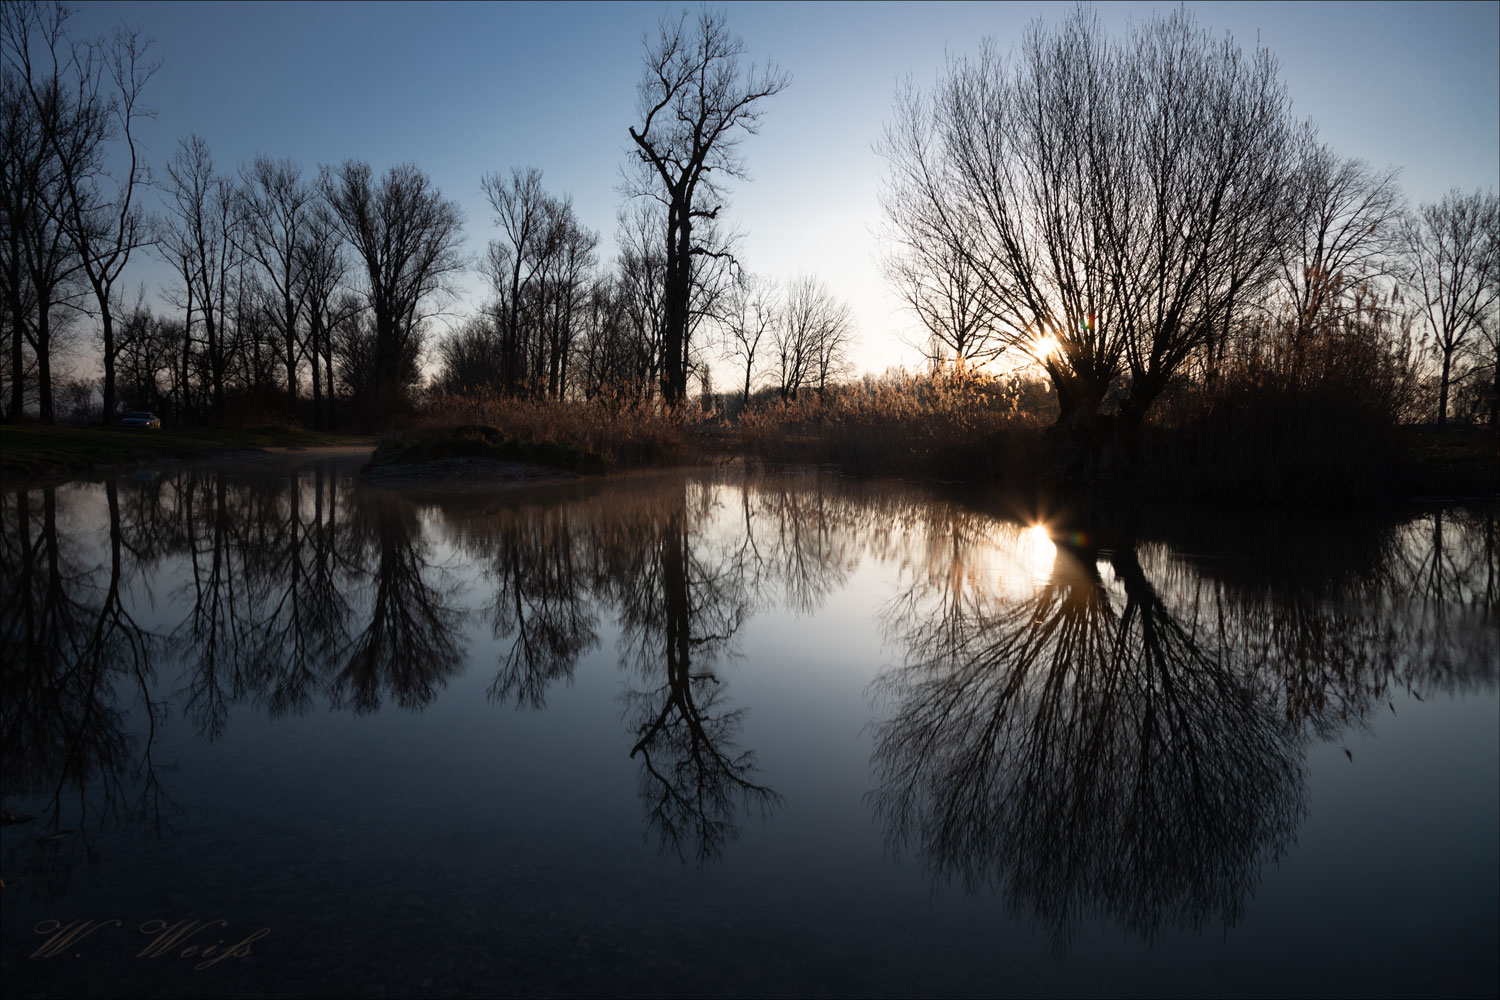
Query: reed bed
[[626, 433], [951, 426]]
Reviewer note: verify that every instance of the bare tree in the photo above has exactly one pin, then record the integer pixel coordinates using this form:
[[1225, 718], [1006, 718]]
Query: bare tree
[[199, 237], [811, 338], [1485, 351], [97, 87], [407, 237], [39, 266], [696, 106], [321, 270], [1343, 234], [1453, 254], [523, 212], [573, 260], [932, 273], [642, 270], [275, 207], [1115, 197], [750, 316]]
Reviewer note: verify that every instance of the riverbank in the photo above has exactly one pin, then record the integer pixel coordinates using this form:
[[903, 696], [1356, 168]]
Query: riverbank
[[1419, 463], [31, 453]]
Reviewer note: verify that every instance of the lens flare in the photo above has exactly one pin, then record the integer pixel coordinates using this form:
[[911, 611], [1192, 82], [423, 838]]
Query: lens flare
[[1037, 552]]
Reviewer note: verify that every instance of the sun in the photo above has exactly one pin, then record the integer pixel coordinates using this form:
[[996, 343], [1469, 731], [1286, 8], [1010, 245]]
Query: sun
[[1044, 346]]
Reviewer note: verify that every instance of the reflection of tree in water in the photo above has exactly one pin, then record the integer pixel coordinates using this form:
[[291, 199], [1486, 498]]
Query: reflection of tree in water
[[1335, 618], [76, 662], [541, 603], [680, 598], [1126, 741], [1086, 752], [407, 648], [298, 585], [679, 612]]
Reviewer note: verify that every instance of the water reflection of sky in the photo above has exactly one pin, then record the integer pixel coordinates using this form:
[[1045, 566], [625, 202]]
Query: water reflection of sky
[[818, 734]]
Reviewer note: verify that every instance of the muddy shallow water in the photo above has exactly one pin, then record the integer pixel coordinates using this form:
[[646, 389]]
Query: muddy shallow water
[[726, 733]]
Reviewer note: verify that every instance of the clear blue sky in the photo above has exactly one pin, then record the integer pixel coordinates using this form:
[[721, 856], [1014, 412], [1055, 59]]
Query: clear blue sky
[[463, 89]]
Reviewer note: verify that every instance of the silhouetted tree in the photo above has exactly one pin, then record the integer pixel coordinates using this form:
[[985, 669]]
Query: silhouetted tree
[[200, 236], [407, 238], [322, 269], [811, 338], [90, 93], [1453, 254], [40, 269], [696, 105], [750, 316], [275, 208], [1115, 197], [1343, 235]]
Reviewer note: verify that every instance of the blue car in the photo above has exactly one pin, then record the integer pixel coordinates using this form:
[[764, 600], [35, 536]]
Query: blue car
[[142, 419]]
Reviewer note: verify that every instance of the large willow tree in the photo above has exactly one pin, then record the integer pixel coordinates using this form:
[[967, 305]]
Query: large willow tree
[[1110, 199]]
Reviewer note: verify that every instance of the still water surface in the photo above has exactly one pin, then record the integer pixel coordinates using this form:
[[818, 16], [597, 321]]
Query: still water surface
[[725, 733]]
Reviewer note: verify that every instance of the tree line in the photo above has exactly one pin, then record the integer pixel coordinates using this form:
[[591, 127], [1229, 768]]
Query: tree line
[[310, 296], [1133, 216]]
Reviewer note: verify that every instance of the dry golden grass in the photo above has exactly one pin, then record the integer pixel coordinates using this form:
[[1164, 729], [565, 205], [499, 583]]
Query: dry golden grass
[[952, 425], [627, 433]]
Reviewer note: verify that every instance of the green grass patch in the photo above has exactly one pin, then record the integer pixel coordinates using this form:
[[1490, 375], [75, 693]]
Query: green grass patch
[[482, 442], [28, 452]]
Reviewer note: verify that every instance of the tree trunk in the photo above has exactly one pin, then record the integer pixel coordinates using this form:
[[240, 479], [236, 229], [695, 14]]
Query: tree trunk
[[1442, 420], [313, 338], [291, 358], [18, 339], [328, 359], [107, 324], [1495, 397], [678, 291], [43, 349]]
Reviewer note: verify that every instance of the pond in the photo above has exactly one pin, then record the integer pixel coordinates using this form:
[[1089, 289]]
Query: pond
[[722, 732]]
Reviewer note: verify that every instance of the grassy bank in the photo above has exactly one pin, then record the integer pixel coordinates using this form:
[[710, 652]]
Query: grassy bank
[[29, 452]]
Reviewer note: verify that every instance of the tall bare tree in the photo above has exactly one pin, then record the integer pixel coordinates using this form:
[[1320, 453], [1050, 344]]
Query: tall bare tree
[[929, 269], [1114, 195], [1453, 254], [275, 207], [96, 86], [321, 269], [573, 260], [696, 106], [523, 211], [407, 236], [199, 237], [39, 266]]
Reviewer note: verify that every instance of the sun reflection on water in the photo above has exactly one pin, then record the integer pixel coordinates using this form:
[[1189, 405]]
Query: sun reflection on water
[[1036, 552]]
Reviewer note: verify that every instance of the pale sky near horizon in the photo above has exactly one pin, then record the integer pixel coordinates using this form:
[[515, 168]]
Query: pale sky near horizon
[[465, 89]]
